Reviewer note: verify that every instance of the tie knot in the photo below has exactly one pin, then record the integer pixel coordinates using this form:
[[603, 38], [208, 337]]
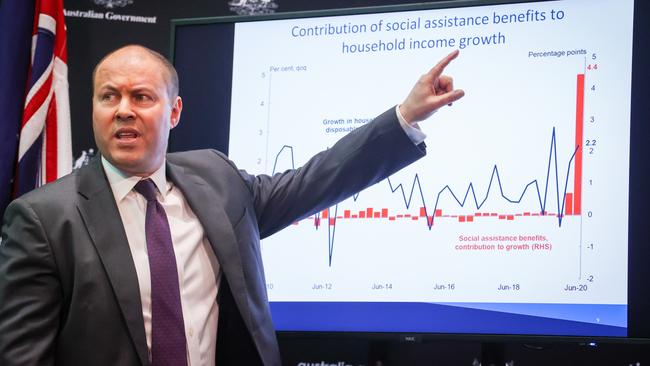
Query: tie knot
[[147, 188]]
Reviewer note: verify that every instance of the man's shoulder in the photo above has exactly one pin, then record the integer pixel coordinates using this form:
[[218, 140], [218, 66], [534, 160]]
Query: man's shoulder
[[211, 165], [65, 191], [50, 201], [59, 189], [200, 159]]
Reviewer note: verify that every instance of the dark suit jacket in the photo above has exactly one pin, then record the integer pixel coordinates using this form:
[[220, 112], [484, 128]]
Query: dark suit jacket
[[68, 288]]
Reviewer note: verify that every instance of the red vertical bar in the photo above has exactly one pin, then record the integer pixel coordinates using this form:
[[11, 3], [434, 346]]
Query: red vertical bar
[[470, 218], [438, 212], [568, 206], [369, 212], [423, 212], [461, 218], [324, 214], [580, 108], [377, 215], [332, 222], [346, 214], [384, 212], [362, 214]]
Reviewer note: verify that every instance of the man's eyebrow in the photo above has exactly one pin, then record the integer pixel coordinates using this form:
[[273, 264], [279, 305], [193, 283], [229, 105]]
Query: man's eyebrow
[[108, 87], [141, 88], [136, 89]]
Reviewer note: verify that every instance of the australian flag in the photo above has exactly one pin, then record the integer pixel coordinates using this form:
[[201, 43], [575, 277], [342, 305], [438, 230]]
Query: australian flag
[[35, 141]]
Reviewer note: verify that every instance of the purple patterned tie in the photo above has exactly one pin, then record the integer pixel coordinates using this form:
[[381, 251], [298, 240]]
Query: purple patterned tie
[[168, 345]]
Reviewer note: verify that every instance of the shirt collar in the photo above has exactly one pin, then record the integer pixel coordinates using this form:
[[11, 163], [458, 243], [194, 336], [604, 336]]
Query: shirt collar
[[122, 183]]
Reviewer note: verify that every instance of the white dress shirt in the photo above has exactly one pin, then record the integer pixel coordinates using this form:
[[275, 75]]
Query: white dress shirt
[[412, 130], [197, 266]]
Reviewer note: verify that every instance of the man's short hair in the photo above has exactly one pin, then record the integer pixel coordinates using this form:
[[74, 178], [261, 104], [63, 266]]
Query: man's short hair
[[171, 75]]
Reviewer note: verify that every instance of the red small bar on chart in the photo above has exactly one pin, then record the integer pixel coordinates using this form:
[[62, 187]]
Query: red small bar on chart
[[568, 205]]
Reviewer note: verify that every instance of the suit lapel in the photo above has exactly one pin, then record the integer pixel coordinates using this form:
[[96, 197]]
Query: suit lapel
[[209, 209], [102, 219]]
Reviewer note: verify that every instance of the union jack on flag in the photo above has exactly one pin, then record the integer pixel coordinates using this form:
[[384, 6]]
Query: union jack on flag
[[45, 146]]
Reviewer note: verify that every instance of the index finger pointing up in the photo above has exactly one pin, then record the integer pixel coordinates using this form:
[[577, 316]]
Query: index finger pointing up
[[437, 70]]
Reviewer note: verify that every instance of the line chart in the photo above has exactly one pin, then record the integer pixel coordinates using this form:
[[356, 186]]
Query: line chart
[[330, 215], [562, 198]]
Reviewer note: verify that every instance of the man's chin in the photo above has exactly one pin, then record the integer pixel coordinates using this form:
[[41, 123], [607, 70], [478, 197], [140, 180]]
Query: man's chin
[[131, 165]]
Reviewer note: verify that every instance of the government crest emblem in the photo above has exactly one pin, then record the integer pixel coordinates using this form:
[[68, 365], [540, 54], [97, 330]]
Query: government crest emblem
[[252, 7], [111, 4]]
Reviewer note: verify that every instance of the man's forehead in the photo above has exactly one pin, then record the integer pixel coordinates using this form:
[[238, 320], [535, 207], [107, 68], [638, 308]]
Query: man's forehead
[[122, 60], [135, 65]]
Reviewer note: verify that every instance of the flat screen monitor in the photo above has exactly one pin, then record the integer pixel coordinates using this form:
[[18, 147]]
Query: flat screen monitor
[[527, 217]]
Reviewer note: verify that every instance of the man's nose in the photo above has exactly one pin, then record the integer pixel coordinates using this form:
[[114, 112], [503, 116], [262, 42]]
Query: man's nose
[[124, 111]]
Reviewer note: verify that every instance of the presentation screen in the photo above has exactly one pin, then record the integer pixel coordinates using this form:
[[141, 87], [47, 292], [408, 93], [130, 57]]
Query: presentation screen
[[517, 221]]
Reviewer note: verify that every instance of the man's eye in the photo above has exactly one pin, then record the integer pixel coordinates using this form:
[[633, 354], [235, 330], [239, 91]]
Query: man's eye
[[143, 98], [106, 97]]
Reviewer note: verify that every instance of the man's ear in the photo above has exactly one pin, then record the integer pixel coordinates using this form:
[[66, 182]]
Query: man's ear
[[177, 108]]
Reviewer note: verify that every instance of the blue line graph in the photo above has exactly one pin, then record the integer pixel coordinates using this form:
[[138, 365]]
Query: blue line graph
[[417, 191]]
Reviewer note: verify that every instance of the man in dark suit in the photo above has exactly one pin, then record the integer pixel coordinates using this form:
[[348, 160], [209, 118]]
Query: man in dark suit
[[82, 281]]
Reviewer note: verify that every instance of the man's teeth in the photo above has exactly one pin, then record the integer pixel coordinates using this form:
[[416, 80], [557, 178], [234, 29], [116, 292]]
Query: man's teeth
[[127, 135]]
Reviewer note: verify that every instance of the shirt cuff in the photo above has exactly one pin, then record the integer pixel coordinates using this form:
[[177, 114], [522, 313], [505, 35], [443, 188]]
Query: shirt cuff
[[413, 131]]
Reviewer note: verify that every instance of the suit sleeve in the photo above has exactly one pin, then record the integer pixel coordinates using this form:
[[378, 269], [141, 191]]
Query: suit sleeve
[[30, 291], [363, 157]]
